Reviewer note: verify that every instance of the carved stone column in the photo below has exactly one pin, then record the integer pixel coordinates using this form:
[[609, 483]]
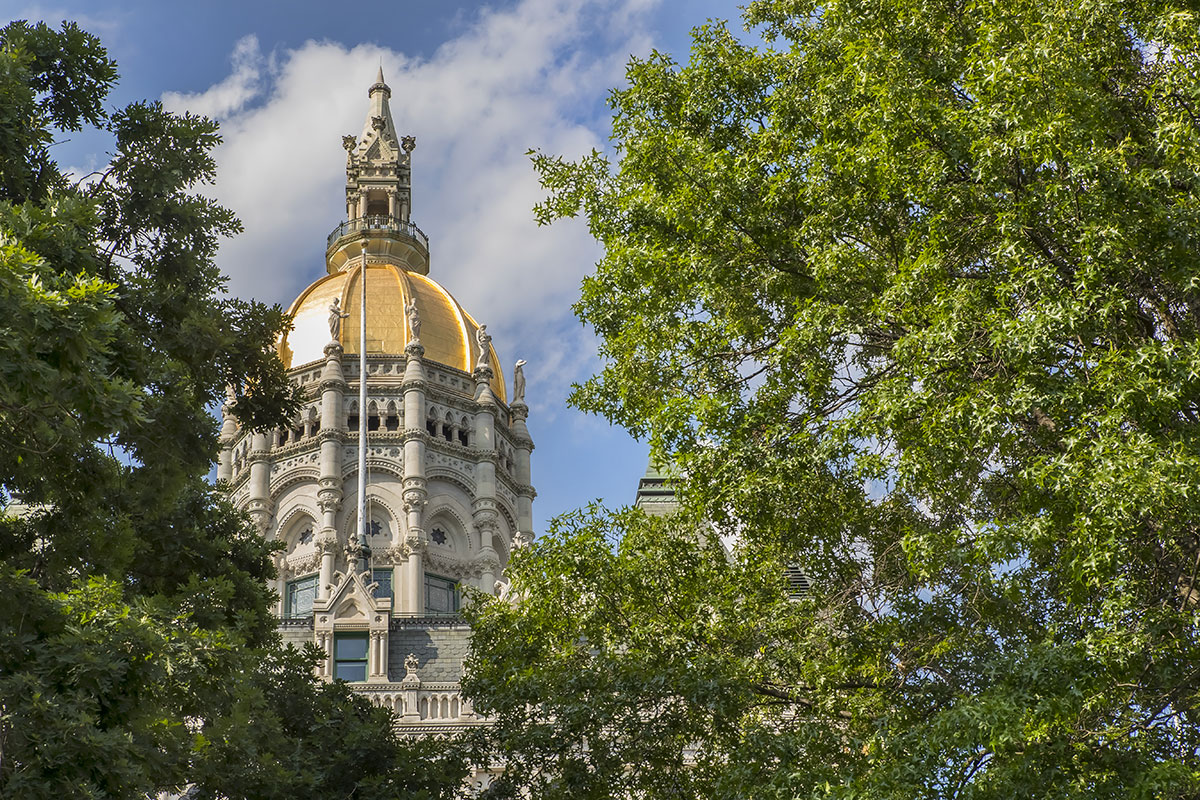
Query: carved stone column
[[259, 504], [483, 507], [281, 579], [323, 633], [377, 655], [416, 542], [525, 491], [228, 435], [329, 485], [487, 563], [411, 594]]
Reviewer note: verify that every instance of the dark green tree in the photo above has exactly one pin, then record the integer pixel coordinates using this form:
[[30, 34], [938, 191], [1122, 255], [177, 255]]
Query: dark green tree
[[909, 298], [138, 651]]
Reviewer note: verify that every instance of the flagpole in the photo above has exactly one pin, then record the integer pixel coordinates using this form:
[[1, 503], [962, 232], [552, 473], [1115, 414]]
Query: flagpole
[[362, 418]]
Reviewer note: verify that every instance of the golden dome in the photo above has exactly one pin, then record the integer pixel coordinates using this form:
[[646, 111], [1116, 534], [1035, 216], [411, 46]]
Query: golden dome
[[447, 331]]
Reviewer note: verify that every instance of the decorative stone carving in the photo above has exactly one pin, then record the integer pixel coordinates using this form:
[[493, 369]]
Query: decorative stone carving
[[348, 143]]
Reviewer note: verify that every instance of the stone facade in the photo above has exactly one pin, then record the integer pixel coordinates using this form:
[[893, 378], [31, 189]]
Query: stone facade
[[446, 466]]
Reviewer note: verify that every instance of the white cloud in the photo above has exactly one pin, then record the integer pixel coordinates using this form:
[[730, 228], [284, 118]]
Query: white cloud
[[525, 77], [230, 95]]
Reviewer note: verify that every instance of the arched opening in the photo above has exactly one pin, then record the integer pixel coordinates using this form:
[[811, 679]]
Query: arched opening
[[377, 205]]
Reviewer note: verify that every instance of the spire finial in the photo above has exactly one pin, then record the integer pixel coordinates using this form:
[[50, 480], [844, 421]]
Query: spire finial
[[379, 85]]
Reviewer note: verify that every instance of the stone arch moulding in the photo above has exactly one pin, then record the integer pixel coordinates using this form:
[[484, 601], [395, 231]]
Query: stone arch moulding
[[509, 519], [292, 476], [443, 511], [288, 522], [388, 503], [451, 477], [374, 466]]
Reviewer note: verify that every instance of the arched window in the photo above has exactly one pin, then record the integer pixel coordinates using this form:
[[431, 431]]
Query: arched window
[[441, 595]]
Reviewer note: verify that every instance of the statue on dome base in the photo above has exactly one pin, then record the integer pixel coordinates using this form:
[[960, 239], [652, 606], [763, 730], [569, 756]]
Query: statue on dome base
[[336, 315], [485, 351], [414, 319], [519, 382]]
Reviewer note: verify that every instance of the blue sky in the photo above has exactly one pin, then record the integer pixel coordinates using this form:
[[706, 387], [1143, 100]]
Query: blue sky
[[479, 85]]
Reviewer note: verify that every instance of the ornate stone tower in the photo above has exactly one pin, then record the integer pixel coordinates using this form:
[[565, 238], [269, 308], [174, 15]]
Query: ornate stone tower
[[447, 475]]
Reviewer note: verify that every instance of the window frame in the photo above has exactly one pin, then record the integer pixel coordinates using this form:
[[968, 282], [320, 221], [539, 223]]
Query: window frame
[[342, 637], [289, 596], [446, 583]]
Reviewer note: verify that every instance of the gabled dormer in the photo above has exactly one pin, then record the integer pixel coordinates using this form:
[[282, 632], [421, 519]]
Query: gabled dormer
[[351, 625]]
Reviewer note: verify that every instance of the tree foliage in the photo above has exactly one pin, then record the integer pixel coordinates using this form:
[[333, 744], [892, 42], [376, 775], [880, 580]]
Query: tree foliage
[[909, 298], [138, 651]]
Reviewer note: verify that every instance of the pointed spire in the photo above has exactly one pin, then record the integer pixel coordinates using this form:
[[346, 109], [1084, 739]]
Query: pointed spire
[[379, 116]]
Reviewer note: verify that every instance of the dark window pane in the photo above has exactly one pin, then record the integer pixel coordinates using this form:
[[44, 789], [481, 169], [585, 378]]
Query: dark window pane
[[349, 646], [351, 671], [441, 595], [384, 578], [300, 596]]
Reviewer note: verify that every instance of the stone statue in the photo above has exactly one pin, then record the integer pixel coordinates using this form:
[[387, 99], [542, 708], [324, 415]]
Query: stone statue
[[335, 320], [348, 143], [411, 664], [414, 319], [519, 382], [485, 351]]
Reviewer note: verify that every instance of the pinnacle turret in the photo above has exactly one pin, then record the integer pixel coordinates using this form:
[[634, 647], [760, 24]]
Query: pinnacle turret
[[378, 164]]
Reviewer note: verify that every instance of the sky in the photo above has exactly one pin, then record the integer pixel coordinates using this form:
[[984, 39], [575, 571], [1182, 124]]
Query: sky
[[479, 85]]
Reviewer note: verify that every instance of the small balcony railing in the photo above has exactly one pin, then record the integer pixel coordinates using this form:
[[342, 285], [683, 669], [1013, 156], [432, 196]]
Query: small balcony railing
[[378, 223]]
